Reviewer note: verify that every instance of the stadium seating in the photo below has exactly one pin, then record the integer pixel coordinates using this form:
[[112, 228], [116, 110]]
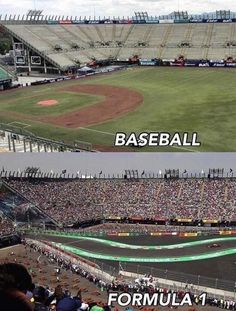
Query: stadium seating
[[71, 201], [6, 226], [166, 41]]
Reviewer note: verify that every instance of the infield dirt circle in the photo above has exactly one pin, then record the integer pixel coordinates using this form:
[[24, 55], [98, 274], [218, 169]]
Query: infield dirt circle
[[47, 103], [117, 102]]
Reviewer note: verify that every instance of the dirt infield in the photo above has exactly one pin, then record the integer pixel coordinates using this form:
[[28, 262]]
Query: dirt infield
[[47, 103], [118, 101]]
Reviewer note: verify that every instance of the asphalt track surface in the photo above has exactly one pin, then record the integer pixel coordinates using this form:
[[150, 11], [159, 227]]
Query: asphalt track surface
[[223, 267]]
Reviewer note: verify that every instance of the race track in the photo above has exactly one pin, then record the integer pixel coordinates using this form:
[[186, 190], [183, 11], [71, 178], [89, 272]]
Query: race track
[[189, 255]]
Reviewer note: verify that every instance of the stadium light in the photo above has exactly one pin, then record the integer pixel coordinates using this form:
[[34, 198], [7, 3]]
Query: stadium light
[[33, 15], [141, 16], [131, 174], [30, 171], [230, 173], [171, 173], [216, 172], [223, 14]]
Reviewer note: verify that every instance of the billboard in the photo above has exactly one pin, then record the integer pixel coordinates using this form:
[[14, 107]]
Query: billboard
[[20, 60], [230, 64], [52, 22], [36, 60], [181, 21], [166, 21], [65, 22], [139, 21], [152, 21], [147, 62], [78, 22]]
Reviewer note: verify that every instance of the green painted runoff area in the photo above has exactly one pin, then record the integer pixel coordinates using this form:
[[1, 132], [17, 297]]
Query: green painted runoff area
[[85, 253], [147, 247]]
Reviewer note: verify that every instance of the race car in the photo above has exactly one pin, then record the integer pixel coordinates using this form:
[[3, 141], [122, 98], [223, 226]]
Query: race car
[[214, 245]]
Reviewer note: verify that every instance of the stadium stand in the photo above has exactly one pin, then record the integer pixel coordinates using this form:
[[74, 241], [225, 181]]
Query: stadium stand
[[59, 45], [6, 226], [71, 201], [51, 270]]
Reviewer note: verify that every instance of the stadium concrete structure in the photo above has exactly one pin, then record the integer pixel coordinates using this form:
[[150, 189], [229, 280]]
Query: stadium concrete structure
[[62, 44]]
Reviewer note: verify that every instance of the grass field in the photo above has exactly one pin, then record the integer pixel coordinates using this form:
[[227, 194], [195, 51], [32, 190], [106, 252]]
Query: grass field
[[175, 99], [67, 101]]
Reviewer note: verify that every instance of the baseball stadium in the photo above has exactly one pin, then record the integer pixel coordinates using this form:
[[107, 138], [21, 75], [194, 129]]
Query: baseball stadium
[[174, 232], [78, 81]]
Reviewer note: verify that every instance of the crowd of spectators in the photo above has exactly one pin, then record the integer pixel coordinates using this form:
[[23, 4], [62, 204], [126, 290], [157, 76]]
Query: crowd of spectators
[[146, 284], [18, 292], [6, 226], [71, 201]]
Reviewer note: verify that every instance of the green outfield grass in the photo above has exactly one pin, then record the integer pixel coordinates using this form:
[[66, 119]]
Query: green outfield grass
[[175, 99], [67, 101]]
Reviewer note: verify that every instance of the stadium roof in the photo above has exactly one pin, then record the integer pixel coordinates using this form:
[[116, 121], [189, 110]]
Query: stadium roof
[[36, 15]]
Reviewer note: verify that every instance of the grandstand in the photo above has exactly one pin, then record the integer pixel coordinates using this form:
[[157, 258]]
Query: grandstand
[[125, 234], [49, 44], [75, 201]]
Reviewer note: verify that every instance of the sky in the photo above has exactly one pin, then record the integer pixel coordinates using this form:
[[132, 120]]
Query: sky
[[117, 163], [113, 7]]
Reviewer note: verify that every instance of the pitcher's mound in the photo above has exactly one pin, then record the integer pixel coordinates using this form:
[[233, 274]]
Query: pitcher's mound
[[46, 103]]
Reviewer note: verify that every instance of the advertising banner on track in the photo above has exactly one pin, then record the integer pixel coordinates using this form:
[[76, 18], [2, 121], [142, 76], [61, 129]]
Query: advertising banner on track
[[184, 220], [65, 22], [209, 221], [166, 21], [181, 21]]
